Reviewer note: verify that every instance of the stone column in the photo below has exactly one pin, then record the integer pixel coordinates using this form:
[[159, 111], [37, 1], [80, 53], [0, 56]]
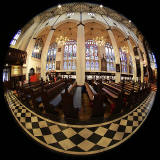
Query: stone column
[[143, 50], [101, 51], [116, 53], [44, 54], [80, 57], [29, 44], [133, 60], [141, 65], [29, 54]]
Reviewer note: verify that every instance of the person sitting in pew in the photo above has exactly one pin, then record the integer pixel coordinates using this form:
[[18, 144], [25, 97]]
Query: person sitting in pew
[[33, 77]]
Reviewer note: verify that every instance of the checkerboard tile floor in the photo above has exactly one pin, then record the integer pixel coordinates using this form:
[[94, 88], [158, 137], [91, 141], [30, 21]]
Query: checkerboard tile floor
[[78, 139]]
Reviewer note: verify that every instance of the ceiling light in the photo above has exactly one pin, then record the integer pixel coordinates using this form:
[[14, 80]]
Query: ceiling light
[[59, 6], [129, 21], [61, 40], [101, 6], [100, 41]]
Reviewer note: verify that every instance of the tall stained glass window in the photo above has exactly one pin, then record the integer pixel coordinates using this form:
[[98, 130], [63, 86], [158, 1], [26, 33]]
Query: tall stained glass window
[[51, 57], [37, 51], [130, 65], [15, 38], [123, 61], [152, 60], [110, 57], [92, 63], [70, 49]]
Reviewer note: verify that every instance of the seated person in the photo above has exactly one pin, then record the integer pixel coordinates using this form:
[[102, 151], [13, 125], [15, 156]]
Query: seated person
[[33, 77]]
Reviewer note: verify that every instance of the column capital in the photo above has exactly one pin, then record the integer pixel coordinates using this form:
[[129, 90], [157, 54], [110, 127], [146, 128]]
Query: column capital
[[53, 29], [126, 38], [108, 29], [80, 24]]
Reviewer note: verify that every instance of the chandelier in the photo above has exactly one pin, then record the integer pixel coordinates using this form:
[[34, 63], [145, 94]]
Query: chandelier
[[61, 40], [100, 41], [125, 49]]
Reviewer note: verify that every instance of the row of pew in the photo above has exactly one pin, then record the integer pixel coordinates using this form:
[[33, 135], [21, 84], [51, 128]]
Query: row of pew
[[50, 94], [121, 96]]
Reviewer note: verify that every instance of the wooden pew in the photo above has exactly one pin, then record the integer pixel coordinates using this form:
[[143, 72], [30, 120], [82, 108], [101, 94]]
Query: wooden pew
[[96, 101], [50, 94], [36, 97], [67, 102]]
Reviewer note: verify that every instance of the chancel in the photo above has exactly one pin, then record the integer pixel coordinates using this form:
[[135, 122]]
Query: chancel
[[80, 78]]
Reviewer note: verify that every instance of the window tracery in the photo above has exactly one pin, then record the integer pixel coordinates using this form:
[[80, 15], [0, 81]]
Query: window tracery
[[92, 63], [70, 50], [51, 57]]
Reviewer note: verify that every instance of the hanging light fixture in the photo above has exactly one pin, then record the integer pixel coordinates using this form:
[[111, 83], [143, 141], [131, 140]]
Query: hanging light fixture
[[125, 49], [61, 40], [100, 41]]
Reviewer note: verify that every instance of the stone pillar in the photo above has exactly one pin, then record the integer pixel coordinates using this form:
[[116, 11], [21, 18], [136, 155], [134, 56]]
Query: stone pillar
[[29, 54], [44, 54], [141, 65], [101, 51], [144, 55], [80, 58], [29, 44], [116, 53], [133, 60], [62, 54]]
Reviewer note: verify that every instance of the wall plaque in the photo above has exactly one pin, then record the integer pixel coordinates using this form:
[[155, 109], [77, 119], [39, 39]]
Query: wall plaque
[[135, 51], [117, 67], [58, 65], [138, 67], [59, 49], [16, 70], [103, 65]]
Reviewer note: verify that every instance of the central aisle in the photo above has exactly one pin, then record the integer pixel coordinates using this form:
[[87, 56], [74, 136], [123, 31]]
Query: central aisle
[[77, 98]]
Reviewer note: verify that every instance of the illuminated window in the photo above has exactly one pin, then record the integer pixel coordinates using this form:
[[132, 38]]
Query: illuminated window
[[51, 57], [65, 65], [130, 65], [37, 51], [110, 57], [70, 14], [15, 38], [123, 61], [91, 14], [87, 65], [70, 50], [92, 63], [152, 60]]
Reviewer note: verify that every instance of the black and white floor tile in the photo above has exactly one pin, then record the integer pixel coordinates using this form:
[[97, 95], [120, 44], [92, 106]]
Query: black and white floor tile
[[79, 139]]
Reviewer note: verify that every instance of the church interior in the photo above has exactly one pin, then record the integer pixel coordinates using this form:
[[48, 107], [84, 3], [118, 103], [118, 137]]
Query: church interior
[[79, 81]]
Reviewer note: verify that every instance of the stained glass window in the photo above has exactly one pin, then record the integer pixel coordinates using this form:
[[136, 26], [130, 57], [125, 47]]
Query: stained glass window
[[65, 64], [37, 51], [15, 38], [87, 65], [51, 57], [96, 65], [152, 60], [70, 50], [47, 67], [130, 65], [123, 61], [92, 62], [110, 57]]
